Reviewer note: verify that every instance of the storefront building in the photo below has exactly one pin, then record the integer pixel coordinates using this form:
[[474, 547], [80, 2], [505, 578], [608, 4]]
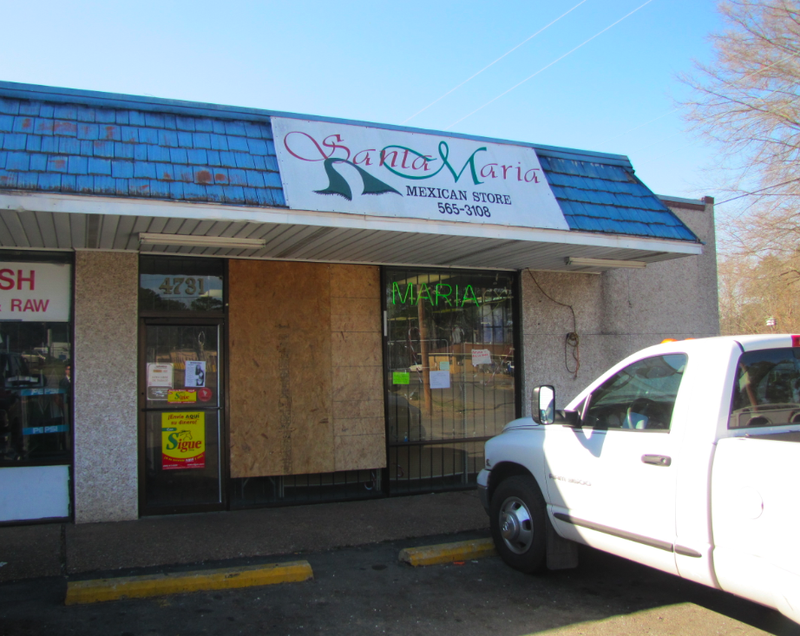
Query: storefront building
[[214, 308]]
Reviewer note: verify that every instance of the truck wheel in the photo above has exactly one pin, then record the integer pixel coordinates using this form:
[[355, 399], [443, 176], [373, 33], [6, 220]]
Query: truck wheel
[[517, 516]]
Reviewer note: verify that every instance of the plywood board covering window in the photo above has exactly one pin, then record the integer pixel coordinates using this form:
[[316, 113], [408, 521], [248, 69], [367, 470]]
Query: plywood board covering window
[[306, 392]]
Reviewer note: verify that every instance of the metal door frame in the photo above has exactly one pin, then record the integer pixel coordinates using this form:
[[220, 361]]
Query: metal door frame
[[222, 370], [516, 356]]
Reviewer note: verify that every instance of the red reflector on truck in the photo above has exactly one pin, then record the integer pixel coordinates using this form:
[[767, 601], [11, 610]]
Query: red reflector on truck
[[796, 341]]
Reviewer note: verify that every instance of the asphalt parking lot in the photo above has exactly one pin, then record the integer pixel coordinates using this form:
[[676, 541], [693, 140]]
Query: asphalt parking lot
[[367, 590]]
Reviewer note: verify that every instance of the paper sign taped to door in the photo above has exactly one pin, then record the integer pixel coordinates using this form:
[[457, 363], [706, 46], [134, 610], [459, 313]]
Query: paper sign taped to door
[[401, 377], [440, 379], [159, 374], [481, 356], [195, 375], [183, 440]]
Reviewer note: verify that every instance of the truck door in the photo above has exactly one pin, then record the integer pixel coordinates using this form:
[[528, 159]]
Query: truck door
[[612, 480]]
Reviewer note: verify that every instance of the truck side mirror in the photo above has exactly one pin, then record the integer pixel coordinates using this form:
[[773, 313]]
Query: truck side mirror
[[543, 404]]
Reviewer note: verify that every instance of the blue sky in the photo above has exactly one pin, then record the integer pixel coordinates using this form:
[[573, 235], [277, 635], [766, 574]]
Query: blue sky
[[385, 61]]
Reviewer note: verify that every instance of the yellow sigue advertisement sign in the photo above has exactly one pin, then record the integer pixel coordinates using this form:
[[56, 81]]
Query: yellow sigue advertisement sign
[[186, 396], [183, 440]]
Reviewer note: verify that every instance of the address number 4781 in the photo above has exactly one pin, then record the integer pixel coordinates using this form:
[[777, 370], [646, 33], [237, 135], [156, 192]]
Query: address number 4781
[[191, 286]]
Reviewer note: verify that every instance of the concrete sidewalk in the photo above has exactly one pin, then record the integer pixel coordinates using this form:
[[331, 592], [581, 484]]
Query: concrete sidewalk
[[67, 549]]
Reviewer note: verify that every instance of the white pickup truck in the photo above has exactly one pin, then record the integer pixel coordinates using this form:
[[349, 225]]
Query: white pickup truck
[[684, 456]]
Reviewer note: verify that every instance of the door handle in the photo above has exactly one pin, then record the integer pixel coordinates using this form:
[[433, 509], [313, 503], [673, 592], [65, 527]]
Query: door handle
[[657, 460]]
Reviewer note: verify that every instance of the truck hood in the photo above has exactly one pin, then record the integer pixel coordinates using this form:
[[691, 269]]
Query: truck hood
[[523, 422]]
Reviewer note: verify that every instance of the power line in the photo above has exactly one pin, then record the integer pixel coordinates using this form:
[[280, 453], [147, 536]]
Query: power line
[[737, 80], [647, 123], [747, 194], [549, 65], [452, 90]]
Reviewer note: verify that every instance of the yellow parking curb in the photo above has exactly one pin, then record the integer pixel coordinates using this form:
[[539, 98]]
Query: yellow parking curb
[[98, 590], [448, 552]]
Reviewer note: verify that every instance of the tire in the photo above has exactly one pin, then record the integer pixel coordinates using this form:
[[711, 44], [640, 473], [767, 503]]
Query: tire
[[517, 517]]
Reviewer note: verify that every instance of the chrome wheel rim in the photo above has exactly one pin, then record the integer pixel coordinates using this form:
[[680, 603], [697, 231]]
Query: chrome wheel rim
[[516, 525]]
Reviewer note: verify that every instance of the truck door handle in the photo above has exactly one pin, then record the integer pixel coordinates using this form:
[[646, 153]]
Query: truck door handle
[[657, 460]]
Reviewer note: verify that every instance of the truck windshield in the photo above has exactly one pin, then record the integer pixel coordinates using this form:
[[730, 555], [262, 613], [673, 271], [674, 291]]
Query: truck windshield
[[767, 389]]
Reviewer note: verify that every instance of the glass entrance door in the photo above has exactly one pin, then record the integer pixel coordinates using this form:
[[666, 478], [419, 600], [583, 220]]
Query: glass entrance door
[[181, 417], [450, 373]]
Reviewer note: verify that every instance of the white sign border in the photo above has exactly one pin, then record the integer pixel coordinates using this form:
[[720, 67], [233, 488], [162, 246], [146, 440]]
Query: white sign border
[[322, 163]]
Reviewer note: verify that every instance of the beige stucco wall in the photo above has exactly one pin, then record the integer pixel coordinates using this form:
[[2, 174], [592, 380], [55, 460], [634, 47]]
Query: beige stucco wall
[[106, 477], [617, 312]]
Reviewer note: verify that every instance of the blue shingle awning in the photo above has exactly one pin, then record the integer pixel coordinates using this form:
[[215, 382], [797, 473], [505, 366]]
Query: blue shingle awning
[[52, 147], [81, 169], [597, 197]]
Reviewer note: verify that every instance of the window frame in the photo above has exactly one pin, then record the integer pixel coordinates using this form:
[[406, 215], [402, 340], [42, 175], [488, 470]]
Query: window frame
[[759, 413], [66, 459], [639, 423]]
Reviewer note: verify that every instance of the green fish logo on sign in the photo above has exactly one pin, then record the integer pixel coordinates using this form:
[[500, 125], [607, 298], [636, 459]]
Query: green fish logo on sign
[[337, 184]]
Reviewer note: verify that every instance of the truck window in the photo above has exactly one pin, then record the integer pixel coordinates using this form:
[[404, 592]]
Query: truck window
[[639, 397], [767, 389]]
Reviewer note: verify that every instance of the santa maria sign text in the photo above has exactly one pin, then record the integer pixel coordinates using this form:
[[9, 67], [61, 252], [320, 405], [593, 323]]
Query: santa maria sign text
[[330, 167]]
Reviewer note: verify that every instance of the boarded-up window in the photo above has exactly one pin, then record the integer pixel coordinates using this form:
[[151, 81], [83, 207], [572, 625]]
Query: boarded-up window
[[305, 368]]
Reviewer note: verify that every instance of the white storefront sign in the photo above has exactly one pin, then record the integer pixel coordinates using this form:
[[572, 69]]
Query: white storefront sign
[[331, 167], [34, 492], [35, 292]]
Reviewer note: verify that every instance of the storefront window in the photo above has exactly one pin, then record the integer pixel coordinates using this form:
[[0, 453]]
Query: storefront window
[[450, 372], [35, 363]]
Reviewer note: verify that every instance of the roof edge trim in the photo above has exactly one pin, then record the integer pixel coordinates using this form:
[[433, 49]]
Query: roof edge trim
[[22, 202], [694, 204]]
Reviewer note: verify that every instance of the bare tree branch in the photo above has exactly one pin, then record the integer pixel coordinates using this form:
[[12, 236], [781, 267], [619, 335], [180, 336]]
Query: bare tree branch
[[747, 101]]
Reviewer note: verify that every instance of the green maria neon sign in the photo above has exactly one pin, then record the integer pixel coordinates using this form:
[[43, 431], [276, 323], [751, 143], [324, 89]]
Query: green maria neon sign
[[451, 295]]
